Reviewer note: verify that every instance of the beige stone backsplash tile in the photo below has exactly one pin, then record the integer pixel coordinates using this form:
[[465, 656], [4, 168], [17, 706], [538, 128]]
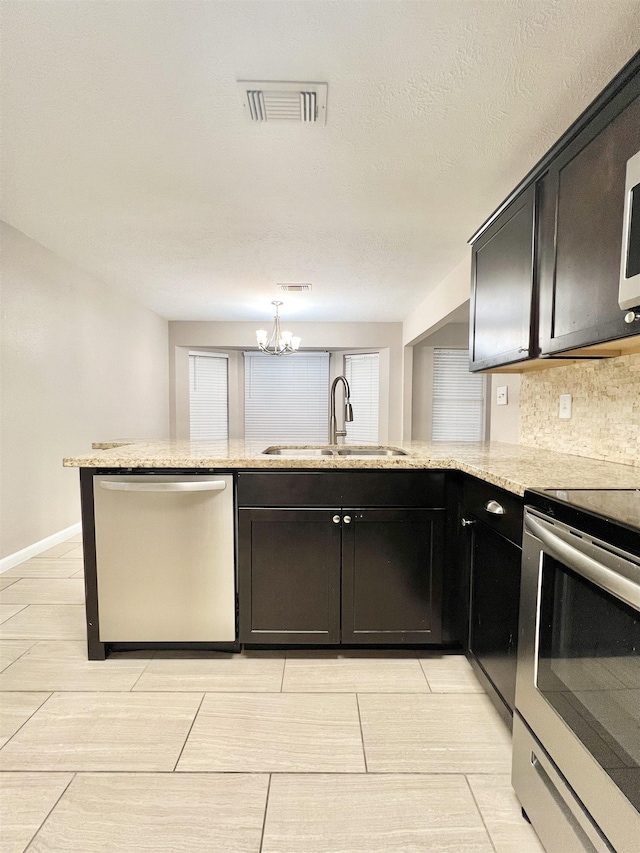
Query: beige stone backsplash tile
[[605, 421]]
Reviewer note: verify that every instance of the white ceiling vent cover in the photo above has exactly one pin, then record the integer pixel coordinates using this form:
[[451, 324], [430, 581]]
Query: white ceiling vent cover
[[294, 288], [264, 100]]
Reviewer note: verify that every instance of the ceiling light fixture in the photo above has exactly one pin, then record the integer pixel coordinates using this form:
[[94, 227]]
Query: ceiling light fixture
[[278, 343]]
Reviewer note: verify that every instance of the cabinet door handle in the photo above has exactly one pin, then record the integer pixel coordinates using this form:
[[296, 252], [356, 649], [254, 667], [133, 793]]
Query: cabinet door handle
[[466, 522], [523, 349], [494, 508], [631, 316], [336, 519], [347, 519]]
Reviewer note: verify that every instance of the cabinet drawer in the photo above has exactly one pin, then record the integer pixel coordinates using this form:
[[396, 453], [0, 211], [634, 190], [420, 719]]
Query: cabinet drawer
[[342, 489], [477, 498], [286, 489]]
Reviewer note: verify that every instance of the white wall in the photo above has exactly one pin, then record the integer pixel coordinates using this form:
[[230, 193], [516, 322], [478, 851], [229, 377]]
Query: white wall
[[505, 420], [80, 363], [335, 337], [435, 310]]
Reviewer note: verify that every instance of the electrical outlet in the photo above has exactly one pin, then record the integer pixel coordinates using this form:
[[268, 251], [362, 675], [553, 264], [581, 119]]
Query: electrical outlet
[[565, 407], [501, 395]]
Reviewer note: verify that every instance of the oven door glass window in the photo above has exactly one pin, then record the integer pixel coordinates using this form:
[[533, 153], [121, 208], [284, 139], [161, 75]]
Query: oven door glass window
[[588, 669]]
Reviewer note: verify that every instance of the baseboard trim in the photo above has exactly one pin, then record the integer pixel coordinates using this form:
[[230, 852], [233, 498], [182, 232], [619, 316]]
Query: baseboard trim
[[12, 560]]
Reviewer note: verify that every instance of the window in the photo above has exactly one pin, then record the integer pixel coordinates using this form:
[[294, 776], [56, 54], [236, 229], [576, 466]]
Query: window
[[208, 396], [362, 374], [458, 398], [286, 399]]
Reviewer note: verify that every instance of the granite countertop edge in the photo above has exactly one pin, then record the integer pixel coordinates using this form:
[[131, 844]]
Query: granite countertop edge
[[507, 466]]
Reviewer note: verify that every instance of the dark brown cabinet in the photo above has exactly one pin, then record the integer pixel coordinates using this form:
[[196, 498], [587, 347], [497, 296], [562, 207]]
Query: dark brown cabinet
[[582, 203], [546, 265], [327, 575], [494, 556], [391, 576], [289, 576], [341, 575], [502, 325]]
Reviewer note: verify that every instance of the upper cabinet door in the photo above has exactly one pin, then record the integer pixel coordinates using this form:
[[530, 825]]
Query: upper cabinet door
[[502, 292], [581, 211]]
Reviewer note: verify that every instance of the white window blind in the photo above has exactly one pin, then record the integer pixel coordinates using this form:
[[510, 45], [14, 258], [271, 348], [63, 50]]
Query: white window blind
[[208, 396], [286, 399], [363, 375], [458, 398]]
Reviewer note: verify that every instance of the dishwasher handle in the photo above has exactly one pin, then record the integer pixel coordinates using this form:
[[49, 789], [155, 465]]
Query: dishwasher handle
[[149, 486]]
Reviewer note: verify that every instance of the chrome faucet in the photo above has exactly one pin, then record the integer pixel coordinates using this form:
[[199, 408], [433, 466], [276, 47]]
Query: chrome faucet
[[348, 410]]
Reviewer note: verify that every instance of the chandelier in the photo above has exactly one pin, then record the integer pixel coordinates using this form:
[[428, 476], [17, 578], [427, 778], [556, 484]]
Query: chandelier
[[278, 343]]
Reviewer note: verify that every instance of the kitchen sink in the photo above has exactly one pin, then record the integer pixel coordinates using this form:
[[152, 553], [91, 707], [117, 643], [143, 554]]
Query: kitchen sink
[[370, 451], [302, 452], [298, 451]]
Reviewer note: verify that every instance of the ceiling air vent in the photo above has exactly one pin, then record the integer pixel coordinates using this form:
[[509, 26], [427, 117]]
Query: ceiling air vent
[[295, 288], [276, 101]]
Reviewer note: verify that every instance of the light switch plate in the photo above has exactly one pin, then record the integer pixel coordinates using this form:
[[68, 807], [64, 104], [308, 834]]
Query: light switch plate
[[565, 407], [502, 397]]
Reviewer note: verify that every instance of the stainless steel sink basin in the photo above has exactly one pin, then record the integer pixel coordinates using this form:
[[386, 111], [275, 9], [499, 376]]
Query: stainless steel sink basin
[[298, 451], [302, 452], [370, 451]]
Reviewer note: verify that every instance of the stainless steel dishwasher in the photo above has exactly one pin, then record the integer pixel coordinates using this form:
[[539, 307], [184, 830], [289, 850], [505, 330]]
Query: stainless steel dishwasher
[[165, 558]]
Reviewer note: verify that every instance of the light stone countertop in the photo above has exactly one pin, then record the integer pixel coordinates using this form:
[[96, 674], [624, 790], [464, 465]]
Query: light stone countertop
[[509, 466]]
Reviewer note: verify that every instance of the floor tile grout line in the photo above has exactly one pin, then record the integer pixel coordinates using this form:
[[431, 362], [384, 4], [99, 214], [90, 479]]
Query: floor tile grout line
[[475, 802], [4, 669], [425, 675], [53, 807], [146, 666], [6, 621], [22, 725], [188, 733], [339, 773], [264, 819], [364, 751]]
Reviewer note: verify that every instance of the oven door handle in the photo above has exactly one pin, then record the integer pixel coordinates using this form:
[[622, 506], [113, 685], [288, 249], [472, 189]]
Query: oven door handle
[[593, 570]]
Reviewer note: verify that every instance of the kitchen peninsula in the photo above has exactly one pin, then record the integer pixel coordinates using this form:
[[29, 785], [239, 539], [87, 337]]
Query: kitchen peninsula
[[509, 466], [421, 549]]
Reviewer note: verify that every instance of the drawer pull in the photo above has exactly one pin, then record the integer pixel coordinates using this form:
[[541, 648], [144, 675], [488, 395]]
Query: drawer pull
[[495, 508], [467, 521]]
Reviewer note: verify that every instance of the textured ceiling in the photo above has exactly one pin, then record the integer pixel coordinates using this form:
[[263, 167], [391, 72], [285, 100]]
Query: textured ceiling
[[125, 149]]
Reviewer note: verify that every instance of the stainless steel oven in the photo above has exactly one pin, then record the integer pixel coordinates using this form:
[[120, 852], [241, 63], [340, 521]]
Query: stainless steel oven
[[576, 767]]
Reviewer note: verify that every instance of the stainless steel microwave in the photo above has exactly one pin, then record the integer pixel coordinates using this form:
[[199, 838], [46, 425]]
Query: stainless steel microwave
[[629, 296]]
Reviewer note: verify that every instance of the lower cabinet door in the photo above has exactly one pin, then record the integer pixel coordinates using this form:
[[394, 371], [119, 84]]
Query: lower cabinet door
[[494, 606], [392, 561], [289, 576]]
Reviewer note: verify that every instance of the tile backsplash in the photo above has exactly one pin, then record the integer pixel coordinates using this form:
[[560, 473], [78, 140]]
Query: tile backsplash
[[605, 420]]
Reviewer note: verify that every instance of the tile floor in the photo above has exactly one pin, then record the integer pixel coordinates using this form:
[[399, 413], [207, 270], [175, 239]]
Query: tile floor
[[265, 752]]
